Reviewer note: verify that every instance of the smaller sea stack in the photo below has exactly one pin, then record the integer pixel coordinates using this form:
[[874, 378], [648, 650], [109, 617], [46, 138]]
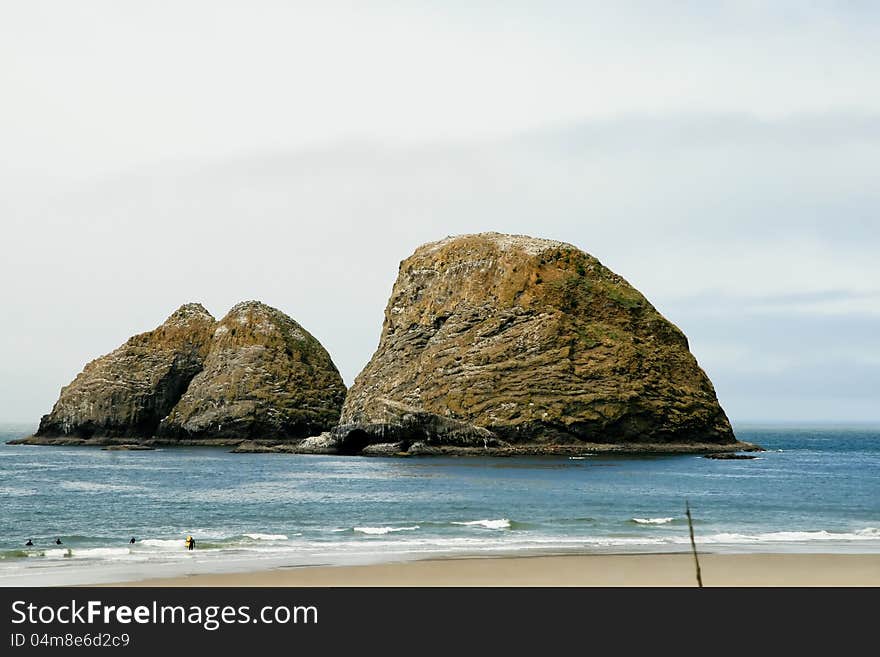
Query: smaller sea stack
[[254, 375]]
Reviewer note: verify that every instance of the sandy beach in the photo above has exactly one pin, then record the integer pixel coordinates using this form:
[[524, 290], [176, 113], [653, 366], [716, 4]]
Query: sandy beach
[[570, 570]]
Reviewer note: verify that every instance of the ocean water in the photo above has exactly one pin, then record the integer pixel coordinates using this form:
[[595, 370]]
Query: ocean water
[[814, 490]]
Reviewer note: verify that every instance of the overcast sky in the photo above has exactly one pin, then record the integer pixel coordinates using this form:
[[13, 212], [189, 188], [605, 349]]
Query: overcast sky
[[725, 159]]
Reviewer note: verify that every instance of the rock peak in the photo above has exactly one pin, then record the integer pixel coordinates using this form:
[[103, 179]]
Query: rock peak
[[189, 311], [502, 241], [250, 304], [258, 317], [253, 307]]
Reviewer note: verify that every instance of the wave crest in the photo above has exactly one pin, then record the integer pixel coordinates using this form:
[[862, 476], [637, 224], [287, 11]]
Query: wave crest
[[98, 487], [500, 523], [867, 534], [267, 537], [652, 521], [100, 552], [164, 543], [381, 531]]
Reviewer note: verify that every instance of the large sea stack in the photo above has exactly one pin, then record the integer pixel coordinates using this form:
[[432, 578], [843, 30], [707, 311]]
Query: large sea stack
[[256, 374], [515, 344]]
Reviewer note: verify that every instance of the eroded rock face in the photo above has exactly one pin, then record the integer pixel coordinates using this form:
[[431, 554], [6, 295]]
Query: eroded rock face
[[256, 374], [128, 391], [264, 377], [496, 339]]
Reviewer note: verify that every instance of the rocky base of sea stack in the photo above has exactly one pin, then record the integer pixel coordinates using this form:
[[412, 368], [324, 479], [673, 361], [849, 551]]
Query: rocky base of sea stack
[[501, 449], [327, 444], [127, 443]]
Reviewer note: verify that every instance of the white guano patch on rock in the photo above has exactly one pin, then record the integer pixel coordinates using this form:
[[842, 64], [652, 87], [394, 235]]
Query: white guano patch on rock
[[530, 245]]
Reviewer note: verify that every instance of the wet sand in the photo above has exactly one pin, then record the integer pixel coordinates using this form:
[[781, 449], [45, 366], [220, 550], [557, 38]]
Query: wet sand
[[569, 570]]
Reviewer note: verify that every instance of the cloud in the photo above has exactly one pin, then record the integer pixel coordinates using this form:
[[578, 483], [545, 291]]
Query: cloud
[[844, 303], [93, 89]]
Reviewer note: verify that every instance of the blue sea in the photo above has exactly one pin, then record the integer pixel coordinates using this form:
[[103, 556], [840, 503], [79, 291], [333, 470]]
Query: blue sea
[[813, 490]]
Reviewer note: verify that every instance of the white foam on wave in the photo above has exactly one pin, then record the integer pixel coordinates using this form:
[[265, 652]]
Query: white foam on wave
[[867, 534], [652, 521], [379, 531], [267, 537], [100, 553], [164, 543], [501, 523], [11, 491], [97, 487], [54, 553]]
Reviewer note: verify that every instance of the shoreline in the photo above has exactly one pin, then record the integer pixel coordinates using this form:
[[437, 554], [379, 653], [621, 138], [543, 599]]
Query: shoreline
[[247, 446], [639, 569]]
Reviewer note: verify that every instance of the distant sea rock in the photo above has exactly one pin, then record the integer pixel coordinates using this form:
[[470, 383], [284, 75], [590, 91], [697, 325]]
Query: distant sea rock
[[511, 344], [255, 374], [730, 456], [264, 377]]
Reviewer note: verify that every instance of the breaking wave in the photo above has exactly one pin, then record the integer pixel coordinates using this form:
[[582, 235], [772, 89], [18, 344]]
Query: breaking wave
[[267, 537], [381, 531], [98, 553], [501, 523], [55, 552], [652, 521], [866, 534], [164, 543], [13, 554]]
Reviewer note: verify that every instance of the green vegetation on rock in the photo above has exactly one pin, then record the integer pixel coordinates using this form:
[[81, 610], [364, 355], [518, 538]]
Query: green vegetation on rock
[[525, 341]]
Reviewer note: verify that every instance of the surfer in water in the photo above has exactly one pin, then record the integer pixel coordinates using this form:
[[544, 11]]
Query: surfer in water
[[190, 543], [131, 542], [57, 541], [30, 543]]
